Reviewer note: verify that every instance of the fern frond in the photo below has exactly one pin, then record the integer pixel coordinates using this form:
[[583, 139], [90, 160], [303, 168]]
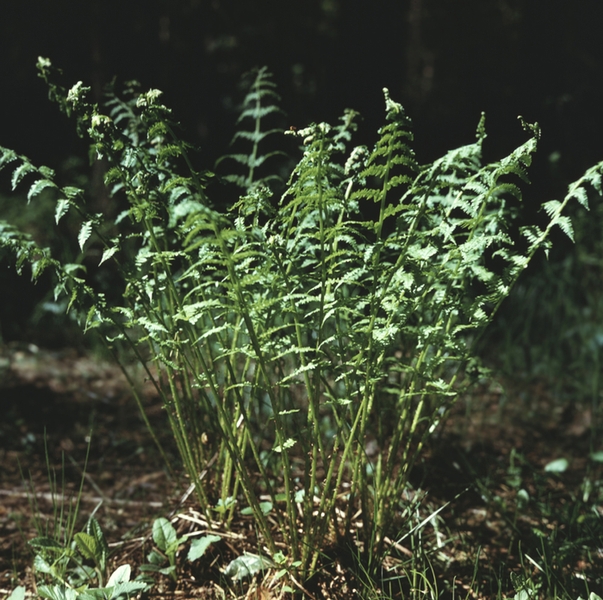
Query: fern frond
[[390, 152], [259, 103]]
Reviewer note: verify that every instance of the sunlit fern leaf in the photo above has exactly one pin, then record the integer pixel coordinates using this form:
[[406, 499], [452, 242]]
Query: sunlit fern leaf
[[391, 153], [38, 186], [7, 156]]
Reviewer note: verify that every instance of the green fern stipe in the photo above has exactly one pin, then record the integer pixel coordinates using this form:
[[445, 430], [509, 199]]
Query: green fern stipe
[[304, 353]]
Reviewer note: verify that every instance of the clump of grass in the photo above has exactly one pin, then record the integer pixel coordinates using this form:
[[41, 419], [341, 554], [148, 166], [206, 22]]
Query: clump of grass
[[304, 353]]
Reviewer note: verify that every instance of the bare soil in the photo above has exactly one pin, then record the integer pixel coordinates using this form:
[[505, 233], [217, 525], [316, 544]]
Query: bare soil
[[496, 444]]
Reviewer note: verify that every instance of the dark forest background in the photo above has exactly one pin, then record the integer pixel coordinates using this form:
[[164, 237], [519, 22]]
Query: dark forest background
[[445, 61]]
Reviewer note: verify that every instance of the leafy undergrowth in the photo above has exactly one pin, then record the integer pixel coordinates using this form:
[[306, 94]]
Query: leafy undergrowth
[[506, 501]]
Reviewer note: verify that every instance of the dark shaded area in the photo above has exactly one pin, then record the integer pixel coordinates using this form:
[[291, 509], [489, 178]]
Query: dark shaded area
[[445, 62]]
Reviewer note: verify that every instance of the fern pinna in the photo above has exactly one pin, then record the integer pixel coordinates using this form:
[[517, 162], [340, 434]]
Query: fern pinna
[[304, 352]]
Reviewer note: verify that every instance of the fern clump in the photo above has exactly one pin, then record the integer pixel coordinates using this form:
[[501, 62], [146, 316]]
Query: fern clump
[[304, 353]]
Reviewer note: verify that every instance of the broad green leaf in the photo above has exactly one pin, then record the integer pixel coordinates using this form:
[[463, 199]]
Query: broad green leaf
[[151, 325], [579, 193], [20, 172], [83, 573], [155, 558], [46, 544], [597, 456], [565, 224], [107, 254], [17, 594], [42, 566], [94, 594], [199, 546], [38, 186], [127, 588], [6, 156], [120, 575], [57, 592], [558, 465], [222, 506], [247, 565], [164, 533], [46, 172], [87, 545], [71, 192], [265, 507], [149, 568], [94, 529]]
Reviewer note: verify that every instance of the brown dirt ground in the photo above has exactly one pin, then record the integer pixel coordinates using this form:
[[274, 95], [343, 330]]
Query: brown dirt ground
[[51, 400]]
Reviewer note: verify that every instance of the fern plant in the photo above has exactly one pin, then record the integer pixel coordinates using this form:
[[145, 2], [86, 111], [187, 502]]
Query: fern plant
[[304, 354]]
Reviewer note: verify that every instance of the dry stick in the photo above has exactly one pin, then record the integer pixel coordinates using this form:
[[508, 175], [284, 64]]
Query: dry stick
[[92, 499], [191, 487], [102, 498]]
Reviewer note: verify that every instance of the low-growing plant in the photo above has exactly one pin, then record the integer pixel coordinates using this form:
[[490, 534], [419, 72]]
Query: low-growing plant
[[63, 571], [304, 352], [65, 507], [552, 528], [167, 544], [167, 541], [79, 568]]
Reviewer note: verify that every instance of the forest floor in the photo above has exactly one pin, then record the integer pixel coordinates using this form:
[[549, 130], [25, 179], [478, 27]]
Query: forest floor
[[506, 520]]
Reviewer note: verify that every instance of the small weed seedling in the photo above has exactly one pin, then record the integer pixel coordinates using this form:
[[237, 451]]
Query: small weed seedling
[[68, 575]]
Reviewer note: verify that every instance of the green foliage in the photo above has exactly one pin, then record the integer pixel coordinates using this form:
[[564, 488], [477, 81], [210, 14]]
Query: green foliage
[[552, 528], [69, 577], [247, 565], [258, 106], [200, 545], [304, 353], [551, 327], [167, 542], [17, 594], [63, 573]]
